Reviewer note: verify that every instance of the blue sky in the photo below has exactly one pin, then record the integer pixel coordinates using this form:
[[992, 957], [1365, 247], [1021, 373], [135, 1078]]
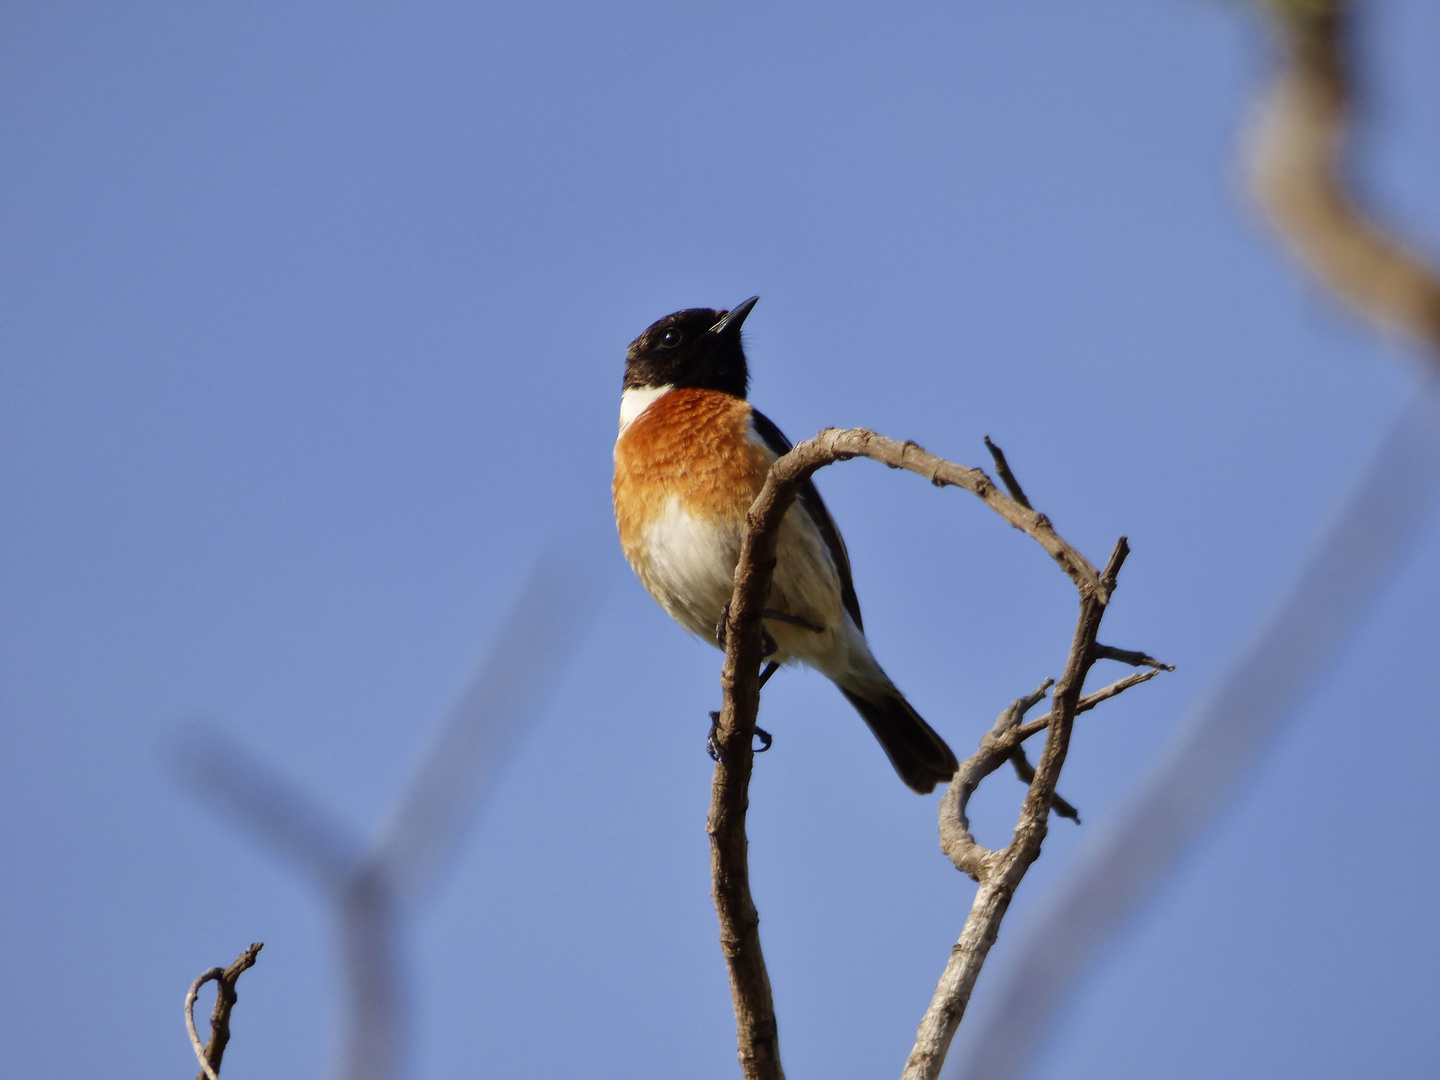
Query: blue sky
[[313, 321]]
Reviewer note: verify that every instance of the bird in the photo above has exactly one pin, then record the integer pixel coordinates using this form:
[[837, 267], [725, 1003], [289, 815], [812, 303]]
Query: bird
[[691, 456]]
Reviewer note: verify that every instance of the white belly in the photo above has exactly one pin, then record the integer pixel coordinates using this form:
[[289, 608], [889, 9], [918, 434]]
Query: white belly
[[688, 566]]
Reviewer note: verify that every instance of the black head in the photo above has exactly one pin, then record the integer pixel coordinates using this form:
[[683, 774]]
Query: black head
[[698, 347]]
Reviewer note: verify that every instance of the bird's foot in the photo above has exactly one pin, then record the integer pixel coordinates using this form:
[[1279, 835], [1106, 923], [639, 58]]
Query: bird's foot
[[712, 741]]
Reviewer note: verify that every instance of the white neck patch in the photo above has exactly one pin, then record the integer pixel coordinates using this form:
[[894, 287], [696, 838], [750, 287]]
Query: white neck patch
[[635, 402]]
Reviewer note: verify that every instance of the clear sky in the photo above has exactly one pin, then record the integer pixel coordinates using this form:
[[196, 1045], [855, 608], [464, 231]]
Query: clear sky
[[313, 320]]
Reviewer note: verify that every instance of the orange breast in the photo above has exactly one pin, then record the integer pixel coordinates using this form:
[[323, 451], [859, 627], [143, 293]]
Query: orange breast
[[690, 445]]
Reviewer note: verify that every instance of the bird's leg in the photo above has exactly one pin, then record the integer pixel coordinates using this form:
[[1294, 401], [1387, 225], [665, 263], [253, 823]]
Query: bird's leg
[[770, 669], [770, 613], [768, 648], [712, 744], [793, 620]]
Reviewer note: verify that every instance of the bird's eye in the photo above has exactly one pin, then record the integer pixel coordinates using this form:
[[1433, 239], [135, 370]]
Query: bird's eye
[[671, 339]]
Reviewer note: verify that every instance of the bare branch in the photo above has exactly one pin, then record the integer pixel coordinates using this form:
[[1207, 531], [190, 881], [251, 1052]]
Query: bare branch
[[995, 748], [1088, 702], [201, 1054], [999, 873], [212, 1053], [835, 444], [756, 1028]]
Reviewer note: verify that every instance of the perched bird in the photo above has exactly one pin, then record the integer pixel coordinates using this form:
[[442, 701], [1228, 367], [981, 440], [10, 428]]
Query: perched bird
[[691, 457]]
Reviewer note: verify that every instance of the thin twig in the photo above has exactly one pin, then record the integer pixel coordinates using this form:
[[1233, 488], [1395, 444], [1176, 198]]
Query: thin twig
[[1002, 470], [1026, 772], [1088, 702], [1133, 657], [212, 1053]]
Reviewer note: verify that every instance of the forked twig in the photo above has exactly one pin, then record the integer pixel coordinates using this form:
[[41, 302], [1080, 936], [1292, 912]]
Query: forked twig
[[212, 1053], [998, 873]]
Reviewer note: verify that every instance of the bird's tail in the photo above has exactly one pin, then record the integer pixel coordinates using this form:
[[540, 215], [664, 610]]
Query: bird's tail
[[919, 755]]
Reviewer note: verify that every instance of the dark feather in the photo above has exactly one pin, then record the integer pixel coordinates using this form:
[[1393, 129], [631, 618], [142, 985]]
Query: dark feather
[[813, 505], [919, 755]]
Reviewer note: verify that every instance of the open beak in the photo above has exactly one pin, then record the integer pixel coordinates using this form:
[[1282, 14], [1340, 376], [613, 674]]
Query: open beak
[[734, 318]]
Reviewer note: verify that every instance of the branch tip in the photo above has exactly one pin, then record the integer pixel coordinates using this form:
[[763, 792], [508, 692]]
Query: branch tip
[[1007, 477], [212, 1053]]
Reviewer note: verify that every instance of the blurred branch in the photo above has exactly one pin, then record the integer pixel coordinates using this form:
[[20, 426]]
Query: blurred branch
[[374, 887], [756, 1028], [213, 1052], [1296, 164], [1297, 172], [286, 818]]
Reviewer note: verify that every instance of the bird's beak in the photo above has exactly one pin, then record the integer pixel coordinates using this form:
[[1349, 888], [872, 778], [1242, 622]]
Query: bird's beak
[[734, 318]]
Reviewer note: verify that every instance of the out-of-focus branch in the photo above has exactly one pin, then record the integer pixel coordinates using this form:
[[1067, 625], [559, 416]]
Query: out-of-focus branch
[[1297, 172], [1296, 153], [756, 1028], [374, 886], [213, 1052]]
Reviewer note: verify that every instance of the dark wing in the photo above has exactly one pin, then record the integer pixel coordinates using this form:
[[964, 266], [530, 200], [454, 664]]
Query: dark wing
[[813, 505]]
